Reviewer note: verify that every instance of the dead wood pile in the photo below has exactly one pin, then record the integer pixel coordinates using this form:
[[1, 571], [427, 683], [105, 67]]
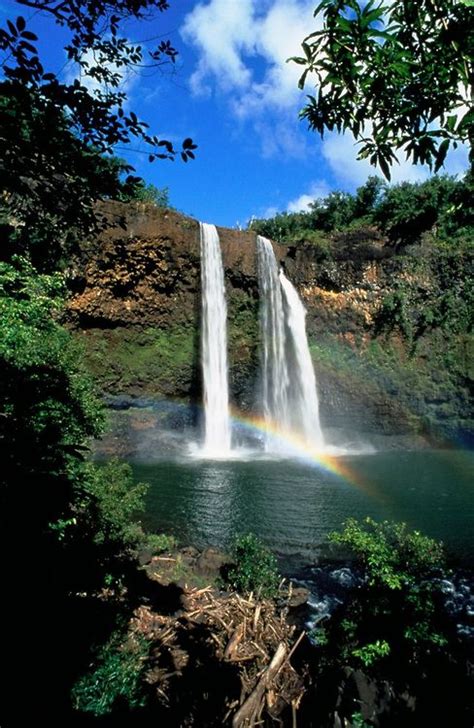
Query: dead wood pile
[[249, 634]]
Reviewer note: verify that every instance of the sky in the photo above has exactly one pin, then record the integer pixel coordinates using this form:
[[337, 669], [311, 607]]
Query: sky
[[233, 91]]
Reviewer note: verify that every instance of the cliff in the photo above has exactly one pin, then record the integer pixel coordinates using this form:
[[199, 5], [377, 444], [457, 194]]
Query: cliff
[[383, 365]]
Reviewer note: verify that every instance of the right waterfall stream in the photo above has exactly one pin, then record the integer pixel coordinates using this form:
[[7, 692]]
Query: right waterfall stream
[[289, 391]]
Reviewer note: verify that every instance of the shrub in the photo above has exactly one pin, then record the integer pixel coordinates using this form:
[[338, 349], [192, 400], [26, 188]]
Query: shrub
[[117, 675], [397, 613], [158, 543], [111, 501], [255, 568], [390, 554]]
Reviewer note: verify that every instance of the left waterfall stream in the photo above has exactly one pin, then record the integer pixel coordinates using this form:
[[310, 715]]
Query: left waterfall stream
[[217, 425]]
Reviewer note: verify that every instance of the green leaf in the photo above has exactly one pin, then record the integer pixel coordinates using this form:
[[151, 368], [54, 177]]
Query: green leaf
[[372, 16], [345, 24], [384, 166], [466, 120], [297, 59], [441, 154], [302, 79]]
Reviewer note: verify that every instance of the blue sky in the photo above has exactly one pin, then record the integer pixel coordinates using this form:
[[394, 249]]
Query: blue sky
[[234, 94]]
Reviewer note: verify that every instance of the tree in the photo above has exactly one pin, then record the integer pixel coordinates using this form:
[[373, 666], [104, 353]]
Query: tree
[[57, 138], [73, 517], [397, 74], [408, 209]]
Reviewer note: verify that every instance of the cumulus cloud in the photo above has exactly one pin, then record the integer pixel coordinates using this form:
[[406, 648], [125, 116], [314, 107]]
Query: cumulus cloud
[[223, 33], [302, 203], [340, 151], [242, 47]]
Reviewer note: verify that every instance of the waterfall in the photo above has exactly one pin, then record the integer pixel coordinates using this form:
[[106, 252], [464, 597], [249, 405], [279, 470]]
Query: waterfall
[[275, 381], [290, 400], [304, 402], [217, 441]]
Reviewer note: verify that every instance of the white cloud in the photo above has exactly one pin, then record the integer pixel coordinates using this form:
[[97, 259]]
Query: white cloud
[[340, 151], [301, 203], [223, 32], [278, 37], [243, 46]]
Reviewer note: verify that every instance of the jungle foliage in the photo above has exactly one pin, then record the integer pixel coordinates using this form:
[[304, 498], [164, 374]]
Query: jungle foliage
[[58, 137], [441, 206], [394, 625], [75, 518], [397, 612], [397, 74], [255, 567]]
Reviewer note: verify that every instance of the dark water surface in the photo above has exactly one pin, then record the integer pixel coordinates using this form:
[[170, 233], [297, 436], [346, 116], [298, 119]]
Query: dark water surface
[[292, 505]]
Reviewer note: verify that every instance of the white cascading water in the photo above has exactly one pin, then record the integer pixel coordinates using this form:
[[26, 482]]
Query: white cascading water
[[217, 440], [290, 400], [275, 381], [304, 396]]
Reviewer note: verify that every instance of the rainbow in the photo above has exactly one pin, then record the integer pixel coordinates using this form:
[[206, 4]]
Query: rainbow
[[296, 446]]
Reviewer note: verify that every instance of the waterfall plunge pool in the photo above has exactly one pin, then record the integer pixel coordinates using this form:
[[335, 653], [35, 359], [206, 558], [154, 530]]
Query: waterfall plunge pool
[[293, 505]]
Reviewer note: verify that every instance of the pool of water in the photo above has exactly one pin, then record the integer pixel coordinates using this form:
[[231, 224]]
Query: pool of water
[[293, 505]]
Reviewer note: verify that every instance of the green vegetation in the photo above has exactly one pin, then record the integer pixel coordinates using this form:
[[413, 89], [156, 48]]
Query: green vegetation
[[122, 358], [255, 568], [159, 543], [75, 518], [395, 617], [441, 207], [142, 192], [117, 675], [427, 390], [390, 555], [112, 500], [395, 74], [49, 410]]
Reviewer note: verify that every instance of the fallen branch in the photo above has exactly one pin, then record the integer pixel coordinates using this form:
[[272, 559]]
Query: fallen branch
[[234, 642], [250, 710]]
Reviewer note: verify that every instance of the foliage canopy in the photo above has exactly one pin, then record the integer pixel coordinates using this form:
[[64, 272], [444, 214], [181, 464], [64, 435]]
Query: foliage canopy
[[398, 74], [57, 137], [441, 205]]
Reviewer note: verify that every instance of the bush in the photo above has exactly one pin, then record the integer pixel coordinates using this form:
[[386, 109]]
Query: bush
[[142, 192], [112, 500], [398, 611], [255, 568], [117, 675], [390, 554], [158, 543]]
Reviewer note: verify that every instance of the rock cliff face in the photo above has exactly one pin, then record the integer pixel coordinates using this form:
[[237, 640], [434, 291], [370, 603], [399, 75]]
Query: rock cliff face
[[136, 305]]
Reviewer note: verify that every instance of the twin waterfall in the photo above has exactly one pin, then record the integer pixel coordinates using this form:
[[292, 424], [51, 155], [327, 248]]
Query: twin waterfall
[[290, 400], [217, 441], [289, 396]]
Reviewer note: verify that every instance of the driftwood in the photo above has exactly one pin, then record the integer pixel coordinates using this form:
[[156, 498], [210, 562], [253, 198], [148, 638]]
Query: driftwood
[[249, 712], [233, 642], [249, 634]]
